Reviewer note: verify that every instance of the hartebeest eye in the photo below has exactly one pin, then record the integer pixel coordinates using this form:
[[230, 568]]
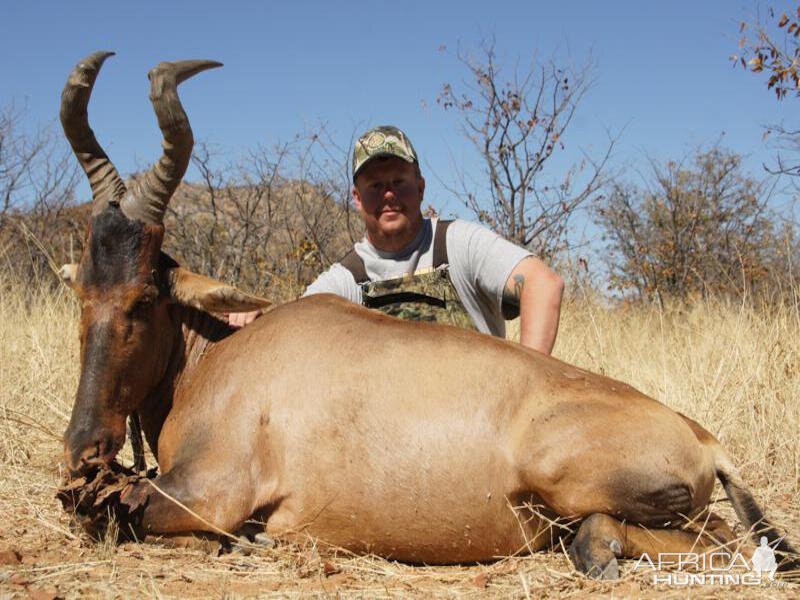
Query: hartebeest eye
[[141, 307]]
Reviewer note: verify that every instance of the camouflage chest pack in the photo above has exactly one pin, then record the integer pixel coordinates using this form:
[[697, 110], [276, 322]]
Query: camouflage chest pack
[[426, 295]]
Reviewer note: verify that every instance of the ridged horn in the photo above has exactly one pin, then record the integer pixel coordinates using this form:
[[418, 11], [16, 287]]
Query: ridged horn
[[104, 180], [154, 190]]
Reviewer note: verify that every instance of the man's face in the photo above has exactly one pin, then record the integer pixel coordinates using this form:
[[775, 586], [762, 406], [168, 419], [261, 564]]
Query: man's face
[[388, 194]]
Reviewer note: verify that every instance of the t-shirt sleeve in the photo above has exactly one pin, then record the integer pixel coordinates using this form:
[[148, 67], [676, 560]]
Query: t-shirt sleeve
[[486, 258], [336, 280]]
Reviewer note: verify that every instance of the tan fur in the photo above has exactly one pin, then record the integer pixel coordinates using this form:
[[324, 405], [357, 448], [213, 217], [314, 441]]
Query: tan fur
[[419, 442]]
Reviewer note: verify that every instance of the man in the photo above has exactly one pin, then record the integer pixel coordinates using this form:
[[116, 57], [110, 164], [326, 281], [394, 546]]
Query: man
[[428, 269]]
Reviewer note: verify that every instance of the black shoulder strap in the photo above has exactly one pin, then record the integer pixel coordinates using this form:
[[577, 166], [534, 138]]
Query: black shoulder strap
[[355, 264], [440, 243]]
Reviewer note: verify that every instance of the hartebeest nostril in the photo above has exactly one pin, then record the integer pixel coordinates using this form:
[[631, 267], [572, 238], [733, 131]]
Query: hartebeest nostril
[[101, 451]]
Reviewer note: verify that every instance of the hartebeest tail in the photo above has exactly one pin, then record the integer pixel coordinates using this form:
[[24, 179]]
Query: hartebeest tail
[[744, 504], [750, 513]]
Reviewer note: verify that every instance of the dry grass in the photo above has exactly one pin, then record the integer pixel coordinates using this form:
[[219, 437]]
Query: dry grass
[[734, 369]]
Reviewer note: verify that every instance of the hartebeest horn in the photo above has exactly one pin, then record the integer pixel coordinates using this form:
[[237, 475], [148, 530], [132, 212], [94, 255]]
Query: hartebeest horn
[[149, 202], [104, 180]]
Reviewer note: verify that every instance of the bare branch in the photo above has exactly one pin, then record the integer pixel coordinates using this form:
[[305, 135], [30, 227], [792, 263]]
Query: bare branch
[[516, 124]]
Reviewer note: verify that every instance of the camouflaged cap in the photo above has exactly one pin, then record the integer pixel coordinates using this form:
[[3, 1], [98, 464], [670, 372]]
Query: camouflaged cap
[[385, 140], [424, 296]]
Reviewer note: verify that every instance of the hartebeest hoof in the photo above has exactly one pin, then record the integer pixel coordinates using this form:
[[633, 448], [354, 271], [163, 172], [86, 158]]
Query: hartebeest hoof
[[264, 540], [594, 551]]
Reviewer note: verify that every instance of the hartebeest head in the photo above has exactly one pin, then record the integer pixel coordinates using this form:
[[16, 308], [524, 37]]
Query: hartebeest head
[[124, 282]]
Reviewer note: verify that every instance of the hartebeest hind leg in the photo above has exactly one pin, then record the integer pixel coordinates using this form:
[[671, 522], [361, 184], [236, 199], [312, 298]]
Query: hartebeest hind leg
[[602, 539]]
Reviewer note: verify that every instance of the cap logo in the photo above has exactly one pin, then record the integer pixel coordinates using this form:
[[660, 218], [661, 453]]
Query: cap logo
[[375, 140]]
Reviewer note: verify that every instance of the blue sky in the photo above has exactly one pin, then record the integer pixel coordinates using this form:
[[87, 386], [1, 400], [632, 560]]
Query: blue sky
[[663, 72]]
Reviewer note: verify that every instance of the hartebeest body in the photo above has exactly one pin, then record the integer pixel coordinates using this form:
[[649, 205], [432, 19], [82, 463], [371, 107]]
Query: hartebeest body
[[414, 441]]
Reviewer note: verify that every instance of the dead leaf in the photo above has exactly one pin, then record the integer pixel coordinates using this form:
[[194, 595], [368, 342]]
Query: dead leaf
[[481, 580], [308, 563], [42, 594], [93, 496], [10, 557]]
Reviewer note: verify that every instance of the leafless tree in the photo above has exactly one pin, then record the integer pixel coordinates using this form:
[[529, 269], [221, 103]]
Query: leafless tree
[[222, 224], [35, 168], [38, 178], [516, 123], [269, 221], [330, 170]]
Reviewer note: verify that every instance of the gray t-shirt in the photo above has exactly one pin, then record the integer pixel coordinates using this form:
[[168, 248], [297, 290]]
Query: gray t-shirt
[[480, 264]]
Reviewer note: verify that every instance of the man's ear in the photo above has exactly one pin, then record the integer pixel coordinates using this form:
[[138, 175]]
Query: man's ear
[[357, 199], [68, 273], [209, 294]]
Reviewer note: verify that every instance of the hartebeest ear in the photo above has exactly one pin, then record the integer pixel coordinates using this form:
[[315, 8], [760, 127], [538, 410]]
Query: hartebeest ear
[[68, 273], [209, 294]]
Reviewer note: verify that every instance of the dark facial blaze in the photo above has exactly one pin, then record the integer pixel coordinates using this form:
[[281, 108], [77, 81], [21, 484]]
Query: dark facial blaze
[[121, 351], [115, 249]]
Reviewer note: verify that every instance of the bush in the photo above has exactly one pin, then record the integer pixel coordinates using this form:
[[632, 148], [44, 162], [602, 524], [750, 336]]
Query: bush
[[699, 227]]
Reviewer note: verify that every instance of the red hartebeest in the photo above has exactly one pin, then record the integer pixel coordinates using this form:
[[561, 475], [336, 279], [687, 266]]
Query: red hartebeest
[[418, 442]]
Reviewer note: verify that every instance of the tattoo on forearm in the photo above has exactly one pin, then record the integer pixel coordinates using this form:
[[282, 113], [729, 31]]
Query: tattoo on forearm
[[513, 291]]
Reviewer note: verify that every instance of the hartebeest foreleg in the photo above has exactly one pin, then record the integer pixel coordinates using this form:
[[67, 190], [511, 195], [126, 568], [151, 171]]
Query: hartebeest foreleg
[[180, 502]]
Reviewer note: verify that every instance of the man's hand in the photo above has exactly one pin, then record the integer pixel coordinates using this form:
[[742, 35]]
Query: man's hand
[[537, 291], [241, 319]]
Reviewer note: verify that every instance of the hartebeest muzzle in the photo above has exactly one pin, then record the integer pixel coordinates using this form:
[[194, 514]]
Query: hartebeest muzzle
[[86, 448], [95, 432]]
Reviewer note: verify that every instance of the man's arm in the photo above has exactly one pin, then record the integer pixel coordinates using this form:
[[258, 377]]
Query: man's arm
[[537, 290]]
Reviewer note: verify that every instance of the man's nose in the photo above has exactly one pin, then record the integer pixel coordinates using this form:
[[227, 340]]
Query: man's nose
[[389, 190]]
